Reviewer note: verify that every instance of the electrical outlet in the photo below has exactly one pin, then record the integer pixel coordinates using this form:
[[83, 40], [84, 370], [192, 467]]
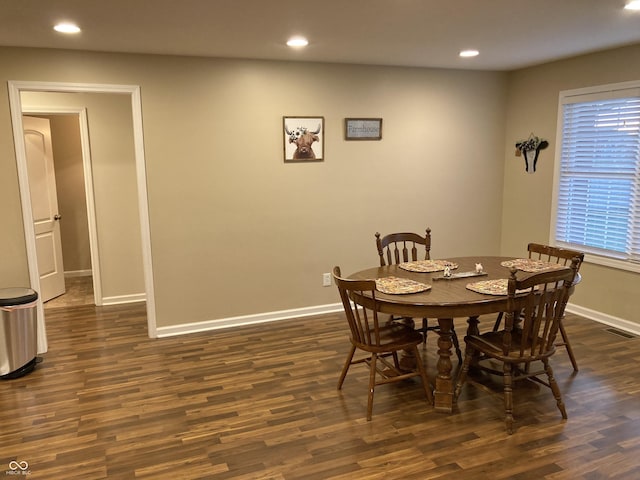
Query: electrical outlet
[[326, 279]]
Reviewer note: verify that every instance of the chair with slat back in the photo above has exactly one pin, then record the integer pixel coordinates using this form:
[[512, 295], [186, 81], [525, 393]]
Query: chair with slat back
[[380, 341], [402, 247], [562, 256], [520, 345], [396, 248]]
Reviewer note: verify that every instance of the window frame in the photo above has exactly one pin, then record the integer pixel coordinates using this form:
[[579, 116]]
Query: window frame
[[601, 92]]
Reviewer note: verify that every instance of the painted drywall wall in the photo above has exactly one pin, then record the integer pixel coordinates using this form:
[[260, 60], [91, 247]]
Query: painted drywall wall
[[533, 107], [259, 233], [236, 231]]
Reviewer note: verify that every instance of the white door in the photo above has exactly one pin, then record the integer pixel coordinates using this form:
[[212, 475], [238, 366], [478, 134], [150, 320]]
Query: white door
[[44, 203]]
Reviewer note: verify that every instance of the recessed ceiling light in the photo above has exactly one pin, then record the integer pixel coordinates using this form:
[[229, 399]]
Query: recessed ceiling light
[[633, 5], [67, 28], [297, 42], [469, 53]]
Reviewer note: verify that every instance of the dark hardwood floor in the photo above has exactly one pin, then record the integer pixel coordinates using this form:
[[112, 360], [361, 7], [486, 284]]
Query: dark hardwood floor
[[260, 402]]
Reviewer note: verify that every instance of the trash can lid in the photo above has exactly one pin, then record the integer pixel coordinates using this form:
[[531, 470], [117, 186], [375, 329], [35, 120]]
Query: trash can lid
[[16, 296]]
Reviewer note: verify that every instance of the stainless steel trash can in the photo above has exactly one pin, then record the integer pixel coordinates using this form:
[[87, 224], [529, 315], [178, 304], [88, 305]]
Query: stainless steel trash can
[[18, 332]]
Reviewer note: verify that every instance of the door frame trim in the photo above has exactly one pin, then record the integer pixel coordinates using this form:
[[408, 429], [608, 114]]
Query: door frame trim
[[15, 106]]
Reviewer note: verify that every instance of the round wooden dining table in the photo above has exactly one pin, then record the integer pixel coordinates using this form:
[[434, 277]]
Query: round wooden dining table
[[445, 300]]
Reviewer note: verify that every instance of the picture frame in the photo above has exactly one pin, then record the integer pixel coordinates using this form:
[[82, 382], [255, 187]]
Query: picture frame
[[363, 128], [303, 139]]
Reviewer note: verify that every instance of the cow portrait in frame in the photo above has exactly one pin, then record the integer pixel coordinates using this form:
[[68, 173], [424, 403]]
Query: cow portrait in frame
[[303, 139]]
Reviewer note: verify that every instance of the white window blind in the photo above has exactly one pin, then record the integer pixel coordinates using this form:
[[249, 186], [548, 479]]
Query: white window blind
[[598, 191]]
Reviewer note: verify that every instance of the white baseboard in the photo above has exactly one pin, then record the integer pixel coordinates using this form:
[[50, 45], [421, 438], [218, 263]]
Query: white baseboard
[[619, 323], [221, 323], [77, 273], [247, 320], [117, 300]]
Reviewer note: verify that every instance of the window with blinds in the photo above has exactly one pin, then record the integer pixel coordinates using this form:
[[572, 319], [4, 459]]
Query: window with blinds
[[597, 191]]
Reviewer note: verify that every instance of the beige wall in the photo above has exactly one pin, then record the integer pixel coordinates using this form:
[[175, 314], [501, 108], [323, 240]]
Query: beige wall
[[533, 107], [234, 230]]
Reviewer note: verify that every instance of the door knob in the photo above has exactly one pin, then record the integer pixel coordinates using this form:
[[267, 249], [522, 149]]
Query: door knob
[[57, 216]]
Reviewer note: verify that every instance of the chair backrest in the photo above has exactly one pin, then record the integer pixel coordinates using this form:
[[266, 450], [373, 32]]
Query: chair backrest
[[546, 295], [547, 253], [363, 320], [402, 247]]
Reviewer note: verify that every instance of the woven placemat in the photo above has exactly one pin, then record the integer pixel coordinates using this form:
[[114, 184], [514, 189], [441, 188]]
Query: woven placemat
[[493, 287], [531, 266], [398, 286], [427, 266]]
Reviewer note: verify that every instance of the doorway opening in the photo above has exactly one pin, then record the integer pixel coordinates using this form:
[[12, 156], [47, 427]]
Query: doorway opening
[[132, 95], [60, 179]]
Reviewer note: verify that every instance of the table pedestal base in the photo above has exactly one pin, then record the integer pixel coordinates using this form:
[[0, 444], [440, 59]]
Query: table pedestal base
[[443, 394]]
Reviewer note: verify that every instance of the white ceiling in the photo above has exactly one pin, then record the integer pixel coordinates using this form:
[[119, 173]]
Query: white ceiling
[[510, 34]]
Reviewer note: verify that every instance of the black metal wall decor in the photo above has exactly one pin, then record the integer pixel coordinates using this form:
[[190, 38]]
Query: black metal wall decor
[[530, 149]]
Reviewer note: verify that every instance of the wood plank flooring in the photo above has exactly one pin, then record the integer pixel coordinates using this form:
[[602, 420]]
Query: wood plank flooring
[[260, 402]]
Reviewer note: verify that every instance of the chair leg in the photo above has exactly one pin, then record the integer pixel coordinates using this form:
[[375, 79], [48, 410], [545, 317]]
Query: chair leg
[[508, 397], [425, 325], [423, 375], [372, 385], [554, 388], [496, 325], [462, 377], [347, 364], [567, 345], [456, 343], [396, 360]]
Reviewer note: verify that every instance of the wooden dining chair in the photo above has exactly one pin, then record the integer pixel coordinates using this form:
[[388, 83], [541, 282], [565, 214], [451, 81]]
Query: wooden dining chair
[[403, 247], [380, 341], [563, 256], [396, 248], [520, 345]]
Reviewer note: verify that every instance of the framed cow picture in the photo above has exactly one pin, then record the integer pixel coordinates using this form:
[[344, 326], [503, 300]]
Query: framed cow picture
[[303, 139]]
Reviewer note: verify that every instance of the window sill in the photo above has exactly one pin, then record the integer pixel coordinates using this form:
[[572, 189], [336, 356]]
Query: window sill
[[612, 262]]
